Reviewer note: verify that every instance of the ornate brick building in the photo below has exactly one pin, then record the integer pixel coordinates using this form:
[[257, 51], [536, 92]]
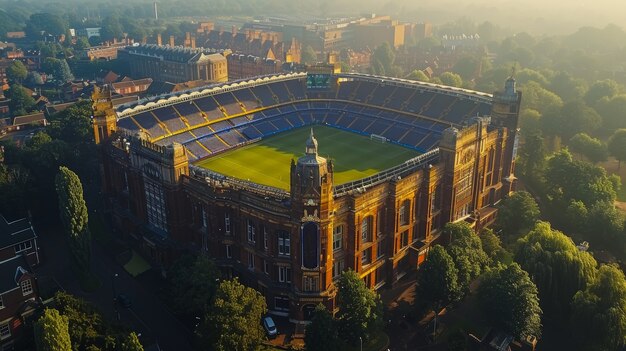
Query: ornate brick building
[[291, 245]]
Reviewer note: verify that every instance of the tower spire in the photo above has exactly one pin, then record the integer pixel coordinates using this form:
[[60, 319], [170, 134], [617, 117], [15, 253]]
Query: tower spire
[[311, 145]]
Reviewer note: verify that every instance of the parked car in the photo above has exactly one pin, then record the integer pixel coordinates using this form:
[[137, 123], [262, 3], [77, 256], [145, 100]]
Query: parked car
[[123, 300], [270, 327]]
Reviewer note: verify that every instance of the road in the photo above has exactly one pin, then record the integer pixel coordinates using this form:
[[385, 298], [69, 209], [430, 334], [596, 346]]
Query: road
[[147, 315]]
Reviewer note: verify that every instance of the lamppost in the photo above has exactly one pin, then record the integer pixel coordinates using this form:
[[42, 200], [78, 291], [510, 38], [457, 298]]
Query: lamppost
[[361, 342]]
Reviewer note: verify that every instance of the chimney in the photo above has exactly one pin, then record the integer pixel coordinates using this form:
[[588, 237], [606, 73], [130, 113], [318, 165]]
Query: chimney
[[193, 42], [159, 40], [171, 40]]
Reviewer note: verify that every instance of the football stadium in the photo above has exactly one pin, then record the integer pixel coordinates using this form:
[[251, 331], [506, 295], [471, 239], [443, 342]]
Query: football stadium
[[288, 180]]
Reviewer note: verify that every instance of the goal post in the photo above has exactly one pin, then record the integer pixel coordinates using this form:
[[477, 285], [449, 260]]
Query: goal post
[[378, 138]]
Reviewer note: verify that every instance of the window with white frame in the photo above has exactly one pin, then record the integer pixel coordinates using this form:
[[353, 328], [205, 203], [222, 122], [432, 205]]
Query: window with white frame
[[5, 331], [227, 223], [250, 260], [265, 238], [1, 302], [338, 237], [251, 232], [311, 283], [155, 205], [338, 267], [405, 212], [284, 243], [23, 246], [284, 274], [228, 252], [27, 287], [366, 229]]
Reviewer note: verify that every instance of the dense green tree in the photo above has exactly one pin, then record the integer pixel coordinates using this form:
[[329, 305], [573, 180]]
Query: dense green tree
[[74, 217], [45, 22], [557, 266], [568, 87], [233, 322], [532, 154], [82, 43], [33, 79], [576, 217], [131, 343], [308, 55], [360, 309], [86, 326], [539, 98], [466, 251], [527, 75], [16, 72], [509, 301], [613, 112], [322, 334], [111, 29], [617, 146], [530, 121], [385, 55], [467, 67], [567, 179], [418, 75], [578, 117], [492, 245], [73, 125], [517, 213], [600, 89], [59, 69], [451, 79], [605, 224], [429, 43], [51, 332], [21, 102], [194, 280], [593, 149], [599, 312], [437, 279]]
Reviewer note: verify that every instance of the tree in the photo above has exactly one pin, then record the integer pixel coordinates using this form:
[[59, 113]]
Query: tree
[[508, 299], [532, 154], [360, 309], [33, 79], [437, 279], [385, 56], [131, 343], [233, 322], [492, 245], [617, 146], [466, 251], [539, 98], [613, 112], [111, 29], [600, 89], [51, 332], [568, 87], [82, 43], [74, 217], [451, 79], [308, 55], [59, 69], [578, 117], [45, 22], [194, 282], [21, 102], [321, 334], [73, 124], [567, 179], [86, 326], [593, 149], [557, 266], [517, 213], [599, 312], [16, 72], [418, 75], [468, 67]]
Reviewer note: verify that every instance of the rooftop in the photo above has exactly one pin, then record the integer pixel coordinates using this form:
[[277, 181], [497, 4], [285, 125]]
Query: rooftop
[[15, 232]]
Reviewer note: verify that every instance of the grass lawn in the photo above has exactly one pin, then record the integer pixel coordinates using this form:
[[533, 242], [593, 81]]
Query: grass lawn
[[136, 265], [267, 162]]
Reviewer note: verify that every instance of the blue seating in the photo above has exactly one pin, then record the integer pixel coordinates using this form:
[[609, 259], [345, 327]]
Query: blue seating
[[418, 101], [246, 97], [221, 125], [170, 118], [147, 121], [202, 131], [228, 103], [359, 123], [280, 90], [251, 132], [346, 89], [294, 120], [239, 120], [287, 108], [209, 107], [127, 124], [395, 132], [378, 127], [190, 112], [232, 137], [438, 105], [307, 117], [266, 128], [178, 138], [281, 123], [413, 137], [264, 94], [212, 143], [196, 149], [296, 87]]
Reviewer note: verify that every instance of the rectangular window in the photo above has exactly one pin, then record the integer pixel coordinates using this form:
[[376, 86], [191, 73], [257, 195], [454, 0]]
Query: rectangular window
[[227, 223], [366, 257], [251, 232], [266, 267], [5, 331], [23, 246], [265, 238], [27, 287], [404, 238], [366, 229], [228, 252], [250, 260], [379, 222], [284, 274], [311, 284], [204, 219], [281, 303], [338, 237], [1, 302], [403, 219], [338, 267], [155, 206], [284, 243], [380, 249]]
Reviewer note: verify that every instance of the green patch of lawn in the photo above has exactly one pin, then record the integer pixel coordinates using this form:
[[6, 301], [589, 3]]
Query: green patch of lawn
[[268, 162], [136, 265]]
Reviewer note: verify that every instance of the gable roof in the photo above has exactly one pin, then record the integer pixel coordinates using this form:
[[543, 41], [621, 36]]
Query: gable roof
[[11, 271], [15, 232]]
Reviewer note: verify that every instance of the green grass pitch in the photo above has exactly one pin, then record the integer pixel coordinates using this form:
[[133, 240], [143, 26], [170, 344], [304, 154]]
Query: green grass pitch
[[267, 161]]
